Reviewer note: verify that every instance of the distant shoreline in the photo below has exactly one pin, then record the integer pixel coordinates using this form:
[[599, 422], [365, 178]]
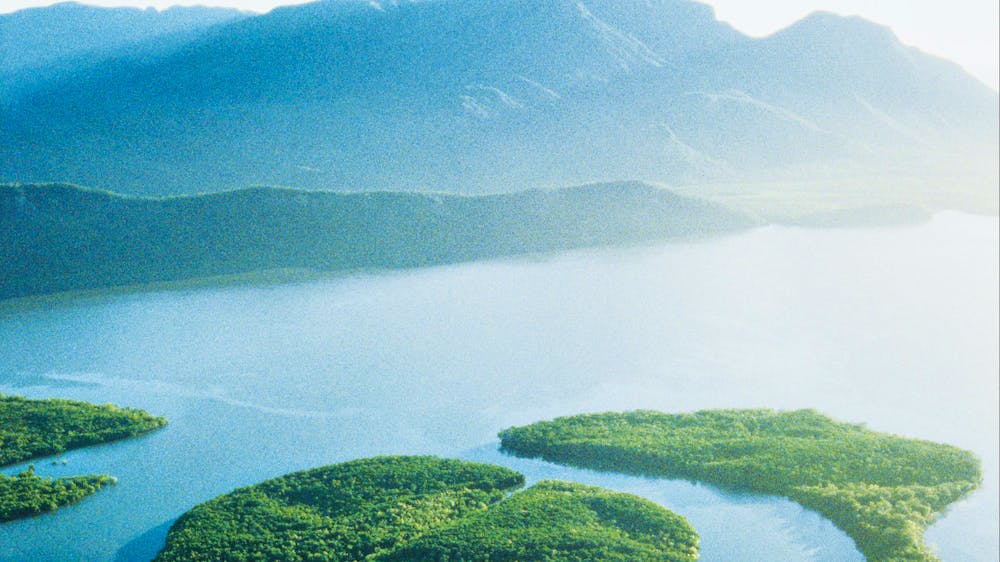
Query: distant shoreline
[[285, 276]]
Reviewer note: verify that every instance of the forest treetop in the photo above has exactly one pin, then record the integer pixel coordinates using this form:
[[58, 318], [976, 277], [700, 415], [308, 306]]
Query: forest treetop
[[37, 428], [425, 508], [882, 490]]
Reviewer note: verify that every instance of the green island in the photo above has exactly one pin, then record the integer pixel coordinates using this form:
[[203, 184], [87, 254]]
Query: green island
[[35, 428], [27, 494], [427, 509], [881, 489]]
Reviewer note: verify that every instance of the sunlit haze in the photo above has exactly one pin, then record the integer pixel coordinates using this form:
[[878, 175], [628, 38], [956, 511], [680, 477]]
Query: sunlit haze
[[474, 279], [965, 31]]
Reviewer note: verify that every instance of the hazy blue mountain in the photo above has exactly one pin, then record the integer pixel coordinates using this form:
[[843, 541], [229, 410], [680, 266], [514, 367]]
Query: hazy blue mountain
[[63, 37], [57, 237], [474, 95]]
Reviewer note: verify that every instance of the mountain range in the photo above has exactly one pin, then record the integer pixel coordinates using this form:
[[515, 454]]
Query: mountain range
[[492, 96], [42, 44]]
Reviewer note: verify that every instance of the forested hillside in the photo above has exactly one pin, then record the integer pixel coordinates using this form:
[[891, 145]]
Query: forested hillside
[[62, 238]]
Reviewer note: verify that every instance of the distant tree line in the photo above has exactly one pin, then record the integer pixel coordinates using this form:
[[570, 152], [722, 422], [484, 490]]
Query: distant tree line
[[56, 237]]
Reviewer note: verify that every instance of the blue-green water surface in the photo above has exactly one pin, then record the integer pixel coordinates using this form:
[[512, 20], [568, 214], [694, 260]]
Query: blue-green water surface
[[894, 327]]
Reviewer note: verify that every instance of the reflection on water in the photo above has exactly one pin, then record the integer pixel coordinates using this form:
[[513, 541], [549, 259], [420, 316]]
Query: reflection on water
[[893, 327]]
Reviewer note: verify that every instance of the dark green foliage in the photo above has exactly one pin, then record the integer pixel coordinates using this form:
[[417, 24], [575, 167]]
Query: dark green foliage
[[423, 508], [36, 428], [26, 494], [560, 521], [62, 238], [343, 512], [881, 489]]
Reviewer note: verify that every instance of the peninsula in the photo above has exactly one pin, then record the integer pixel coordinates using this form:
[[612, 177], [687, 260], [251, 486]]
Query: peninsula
[[881, 489], [35, 428]]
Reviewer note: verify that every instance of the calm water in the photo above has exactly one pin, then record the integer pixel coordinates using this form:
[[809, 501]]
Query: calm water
[[897, 328]]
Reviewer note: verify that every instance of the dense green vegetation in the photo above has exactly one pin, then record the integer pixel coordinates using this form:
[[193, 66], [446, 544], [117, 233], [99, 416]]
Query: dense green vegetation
[[423, 508], [882, 490], [62, 238], [561, 521], [36, 428], [343, 512], [26, 494]]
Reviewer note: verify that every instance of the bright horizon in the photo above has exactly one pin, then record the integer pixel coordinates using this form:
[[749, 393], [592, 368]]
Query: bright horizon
[[964, 31]]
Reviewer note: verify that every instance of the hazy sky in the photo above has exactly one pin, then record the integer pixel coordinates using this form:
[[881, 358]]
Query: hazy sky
[[965, 31]]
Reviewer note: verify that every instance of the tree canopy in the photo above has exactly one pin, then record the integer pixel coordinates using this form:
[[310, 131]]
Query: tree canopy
[[882, 490], [27, 494], [37, 428], [425, 508]]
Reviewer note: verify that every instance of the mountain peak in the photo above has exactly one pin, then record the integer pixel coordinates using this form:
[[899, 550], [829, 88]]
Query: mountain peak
[[38, 38], [482, 95], [828, 27]]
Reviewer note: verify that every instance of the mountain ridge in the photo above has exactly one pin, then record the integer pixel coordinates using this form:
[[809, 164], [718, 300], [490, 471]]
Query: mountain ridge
[[58, 237], [42, 44], [480, 96]]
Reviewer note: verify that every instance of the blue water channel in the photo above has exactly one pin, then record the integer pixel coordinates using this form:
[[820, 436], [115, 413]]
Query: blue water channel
[[893, 327]]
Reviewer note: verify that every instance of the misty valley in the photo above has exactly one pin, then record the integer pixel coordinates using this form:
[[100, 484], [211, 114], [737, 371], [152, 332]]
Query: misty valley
[[493, 280]]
